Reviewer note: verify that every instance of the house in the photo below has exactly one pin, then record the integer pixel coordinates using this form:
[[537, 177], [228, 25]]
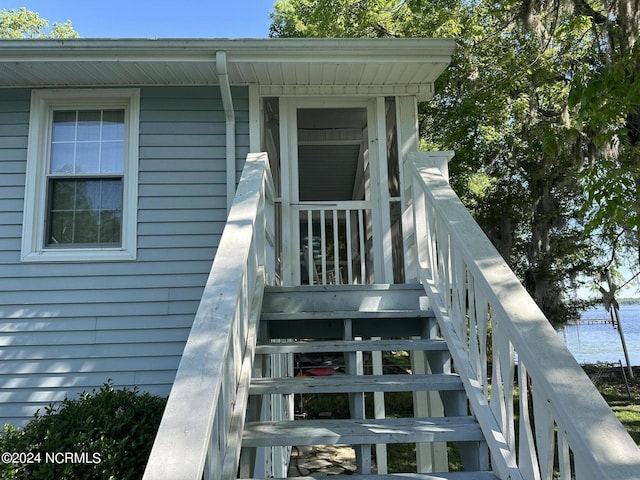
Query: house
[[123, 161]]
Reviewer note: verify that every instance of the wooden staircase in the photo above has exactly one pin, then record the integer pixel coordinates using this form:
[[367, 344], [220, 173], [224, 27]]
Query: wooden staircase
[[348, 323]]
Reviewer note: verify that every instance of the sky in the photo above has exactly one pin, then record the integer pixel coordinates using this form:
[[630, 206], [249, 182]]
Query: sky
[[156, 18]]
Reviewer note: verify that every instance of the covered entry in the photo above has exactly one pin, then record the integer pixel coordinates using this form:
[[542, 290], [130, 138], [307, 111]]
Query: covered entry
[[334, 176]]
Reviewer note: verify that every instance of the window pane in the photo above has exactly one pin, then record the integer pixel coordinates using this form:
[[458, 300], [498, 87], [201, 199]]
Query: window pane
[[111, 195], [86, 226], [110, 226], [113, 125], [60, 228], [87, 194], [62, 157], [112, 157], [64, 126], [84, 212], [89, 125], [63, 196], [87, 157]]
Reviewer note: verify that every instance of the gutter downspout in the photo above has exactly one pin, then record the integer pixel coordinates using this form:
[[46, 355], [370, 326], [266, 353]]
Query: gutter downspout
[[227, 103]]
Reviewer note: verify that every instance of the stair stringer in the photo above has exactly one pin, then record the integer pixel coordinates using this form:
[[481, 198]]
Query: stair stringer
[[503, 460]]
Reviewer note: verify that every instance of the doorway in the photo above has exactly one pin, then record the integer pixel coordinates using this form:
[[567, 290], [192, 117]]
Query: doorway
[[331, 189]]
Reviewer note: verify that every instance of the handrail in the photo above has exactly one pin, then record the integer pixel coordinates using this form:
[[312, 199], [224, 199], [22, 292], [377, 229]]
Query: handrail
[[199, 435], [564, 426]]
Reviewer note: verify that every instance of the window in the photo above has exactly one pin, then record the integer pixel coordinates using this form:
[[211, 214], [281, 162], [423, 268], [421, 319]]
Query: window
[[81, 192]]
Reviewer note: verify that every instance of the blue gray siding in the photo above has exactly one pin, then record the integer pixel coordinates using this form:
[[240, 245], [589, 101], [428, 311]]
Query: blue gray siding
[[67, 328]]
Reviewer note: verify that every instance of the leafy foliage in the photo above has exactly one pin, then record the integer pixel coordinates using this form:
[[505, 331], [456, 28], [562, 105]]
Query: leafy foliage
[[24, 23], [503, 106], [117, 425]]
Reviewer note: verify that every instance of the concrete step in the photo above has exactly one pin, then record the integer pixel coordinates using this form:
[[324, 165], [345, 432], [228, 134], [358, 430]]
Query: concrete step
[[339, 383], [334, 346], [361, 431]]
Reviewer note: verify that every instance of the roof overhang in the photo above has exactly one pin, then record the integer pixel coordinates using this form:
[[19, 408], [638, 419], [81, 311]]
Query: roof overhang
[[279, 66]]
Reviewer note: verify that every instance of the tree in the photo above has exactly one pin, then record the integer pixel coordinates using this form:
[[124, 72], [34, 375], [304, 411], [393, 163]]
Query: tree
[[24, 23], [503, 105]]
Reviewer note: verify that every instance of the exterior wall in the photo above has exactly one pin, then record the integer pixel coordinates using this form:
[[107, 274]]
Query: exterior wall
[[68, 328]]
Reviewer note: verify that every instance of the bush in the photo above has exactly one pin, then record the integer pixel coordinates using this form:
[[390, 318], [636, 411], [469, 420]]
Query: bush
[[104, 435]]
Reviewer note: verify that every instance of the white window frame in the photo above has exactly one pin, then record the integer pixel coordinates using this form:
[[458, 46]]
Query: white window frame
[[43, 104]]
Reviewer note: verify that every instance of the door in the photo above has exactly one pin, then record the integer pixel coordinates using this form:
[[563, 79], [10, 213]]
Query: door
[[333, 223]]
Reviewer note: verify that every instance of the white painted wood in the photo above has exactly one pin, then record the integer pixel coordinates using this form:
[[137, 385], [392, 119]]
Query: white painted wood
[[383, 184], [341, 215], [302, 346], [361, 432], [341, 383], [451, 249], [338, 314], [290, 234], [408, 141], [348, 298], [232, 454], [376, 204], [197, 422], [379, 410], [411, 476]]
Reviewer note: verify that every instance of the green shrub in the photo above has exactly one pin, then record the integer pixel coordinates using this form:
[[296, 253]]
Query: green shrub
[[104, 435]]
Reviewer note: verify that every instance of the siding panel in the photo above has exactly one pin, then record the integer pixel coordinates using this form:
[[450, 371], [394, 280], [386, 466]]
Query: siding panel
[[66, 328]]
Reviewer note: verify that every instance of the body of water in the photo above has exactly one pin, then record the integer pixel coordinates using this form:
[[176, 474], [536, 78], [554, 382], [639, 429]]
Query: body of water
[[593, 343]]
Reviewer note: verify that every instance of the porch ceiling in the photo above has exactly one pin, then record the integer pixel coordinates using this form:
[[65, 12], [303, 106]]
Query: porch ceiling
[[400, 65]]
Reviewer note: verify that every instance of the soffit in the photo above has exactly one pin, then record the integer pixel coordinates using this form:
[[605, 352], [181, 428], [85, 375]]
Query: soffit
[[271, 63]]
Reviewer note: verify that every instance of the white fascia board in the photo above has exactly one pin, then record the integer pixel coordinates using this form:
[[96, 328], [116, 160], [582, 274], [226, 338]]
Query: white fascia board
[[238, 50]]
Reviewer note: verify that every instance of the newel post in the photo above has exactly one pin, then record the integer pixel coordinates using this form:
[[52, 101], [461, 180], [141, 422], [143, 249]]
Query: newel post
[[440, 160]]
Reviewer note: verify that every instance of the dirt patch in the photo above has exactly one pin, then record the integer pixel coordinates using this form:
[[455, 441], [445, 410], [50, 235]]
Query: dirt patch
[[322, 461]]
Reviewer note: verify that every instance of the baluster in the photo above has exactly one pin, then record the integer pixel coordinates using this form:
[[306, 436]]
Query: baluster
[[336, 248], [544, 434], [502, 384], [323, 246], [430, 243], [508, 371], [347, 223], [483, 317], [310, 261], [564, 457], [474, 340], [363, 264], [422, 240], [527, 455], [444, 267], [459, 296]]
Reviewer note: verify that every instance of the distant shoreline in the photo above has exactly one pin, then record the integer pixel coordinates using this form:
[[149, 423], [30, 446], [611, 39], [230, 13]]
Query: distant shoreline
[[621, 301]]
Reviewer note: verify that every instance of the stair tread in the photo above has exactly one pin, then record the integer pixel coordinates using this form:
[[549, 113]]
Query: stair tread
[[345, 297], [408, 476], [343, 314], [361, 431], [325, 346], [340, 383]]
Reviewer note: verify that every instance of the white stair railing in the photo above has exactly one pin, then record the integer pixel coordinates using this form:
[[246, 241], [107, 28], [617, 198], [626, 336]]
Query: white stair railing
[[541, 415], [201, 429]]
